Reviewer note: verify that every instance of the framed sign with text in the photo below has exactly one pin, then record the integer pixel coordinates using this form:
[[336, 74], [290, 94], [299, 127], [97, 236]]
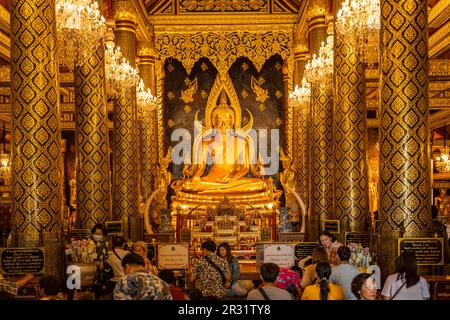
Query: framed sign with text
[[362, 238], [282, 254], [304, 249], [22, 260], [173, 256], [332, 226], [114, 228], [428, 251]]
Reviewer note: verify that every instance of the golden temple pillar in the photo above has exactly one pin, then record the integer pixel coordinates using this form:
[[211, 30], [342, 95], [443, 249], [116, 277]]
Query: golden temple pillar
[[350, 138], [125, 150], [318, 33], [322, 140], [404, 132], [92, 142], [148, 125], [302, 135], [36, 131], [300, 56]]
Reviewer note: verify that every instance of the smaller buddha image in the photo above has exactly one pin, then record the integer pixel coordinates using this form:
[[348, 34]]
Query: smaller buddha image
[[442, 202]]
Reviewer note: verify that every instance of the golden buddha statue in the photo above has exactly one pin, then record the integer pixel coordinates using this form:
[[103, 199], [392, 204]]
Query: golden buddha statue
[[230, 153], [224, 160]]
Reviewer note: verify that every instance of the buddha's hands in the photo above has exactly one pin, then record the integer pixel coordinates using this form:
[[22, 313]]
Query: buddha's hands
[[195, 183], [226, 179]]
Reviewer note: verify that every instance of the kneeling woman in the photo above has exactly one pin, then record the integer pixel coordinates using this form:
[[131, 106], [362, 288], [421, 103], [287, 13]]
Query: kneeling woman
[[322, 289]]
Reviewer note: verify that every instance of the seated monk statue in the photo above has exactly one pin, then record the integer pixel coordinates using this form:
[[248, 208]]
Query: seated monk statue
[[230, 154]]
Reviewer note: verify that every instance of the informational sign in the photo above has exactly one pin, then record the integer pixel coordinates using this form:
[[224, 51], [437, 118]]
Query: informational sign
[[362, 238], [304, 249], [332, 226], [291, 236], [280, 254], [22, 260], [114, 228], [79, 234], [428, 251], [441, 290], [173, 256]]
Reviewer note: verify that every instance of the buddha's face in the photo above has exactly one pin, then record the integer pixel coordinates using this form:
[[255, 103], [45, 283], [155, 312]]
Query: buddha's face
[[224, 121]]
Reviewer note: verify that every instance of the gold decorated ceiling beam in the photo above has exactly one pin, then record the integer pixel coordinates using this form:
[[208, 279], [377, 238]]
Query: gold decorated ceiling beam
[[439, 41], [144, 30], [439, 119], [228, 22], [5, 45], [439, 14], [4, 19]]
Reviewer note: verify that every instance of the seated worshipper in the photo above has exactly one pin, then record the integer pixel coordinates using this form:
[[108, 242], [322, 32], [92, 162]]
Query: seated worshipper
[[405, 283], [323, 289], [289, 280], [344, 273], [139, 283], [116, 256], [49, 288], [309, 272], [268, 291], [169, 277], [364, 287], [141, 248], [238, 287], [11, 287], [331, 245], [211, 272]]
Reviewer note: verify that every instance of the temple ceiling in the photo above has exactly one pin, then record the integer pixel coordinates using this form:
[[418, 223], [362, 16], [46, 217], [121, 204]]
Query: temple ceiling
[[156, 7]]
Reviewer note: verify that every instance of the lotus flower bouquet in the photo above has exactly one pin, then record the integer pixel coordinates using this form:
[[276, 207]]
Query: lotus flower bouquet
[[360, 257]]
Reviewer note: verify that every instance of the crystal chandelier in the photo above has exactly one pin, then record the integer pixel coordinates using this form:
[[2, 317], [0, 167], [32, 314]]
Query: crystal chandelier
[[144, 99], [80, 27], [5, 161], [320, 68], [301, 95], [358, 24], [442, 162], [120, 75]]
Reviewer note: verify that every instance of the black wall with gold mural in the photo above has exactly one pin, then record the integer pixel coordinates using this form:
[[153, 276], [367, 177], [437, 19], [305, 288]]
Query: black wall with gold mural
[[259, 92], [184, 95]]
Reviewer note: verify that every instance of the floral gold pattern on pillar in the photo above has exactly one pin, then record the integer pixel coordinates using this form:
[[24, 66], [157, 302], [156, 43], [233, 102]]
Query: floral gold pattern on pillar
[[350, 134], [148, 133], [318, 134], [93, 173], [36, 130], [125, 142], [404, 138], [302, 138], [322, 151]]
